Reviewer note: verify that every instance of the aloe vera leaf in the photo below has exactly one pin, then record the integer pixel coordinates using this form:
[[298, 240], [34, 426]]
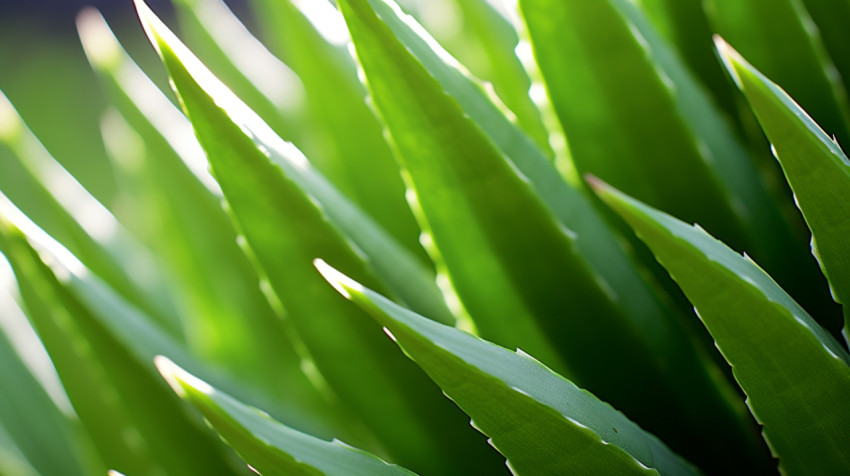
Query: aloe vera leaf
[[514, 399], [654, 133], [685, 26], [224, 307], [47, 193], [242, 62], [113, 394], [408, 417], [44, 434], [406, 277], [345, 141], [831, 18], [486, 43], [513, 264], [814, 165], [780, 39], [777, 352], [269, 447]]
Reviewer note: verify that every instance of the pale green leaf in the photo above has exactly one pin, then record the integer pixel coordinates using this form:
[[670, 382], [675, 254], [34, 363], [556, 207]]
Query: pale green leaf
[[113, 393], [289, 215], [269, 447], [230, 321]]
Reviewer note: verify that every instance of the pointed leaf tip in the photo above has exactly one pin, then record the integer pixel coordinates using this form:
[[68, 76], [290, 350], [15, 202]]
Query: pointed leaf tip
[[339, 281], [178, 378]]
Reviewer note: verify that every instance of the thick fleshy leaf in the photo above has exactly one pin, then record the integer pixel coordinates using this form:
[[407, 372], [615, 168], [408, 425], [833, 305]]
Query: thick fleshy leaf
[[231, 322], [269, 447], [541, 422], [345, 141], [518, 270], [795, 375], [242, 62], [779, 38], [635, 116], [285, 210], [816, 168], [113, 393], [47, 193]]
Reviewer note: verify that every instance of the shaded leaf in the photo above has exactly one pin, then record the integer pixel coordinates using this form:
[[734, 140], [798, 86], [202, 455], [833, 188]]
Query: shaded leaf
[[795, 375], [814, 165], [521, 273]]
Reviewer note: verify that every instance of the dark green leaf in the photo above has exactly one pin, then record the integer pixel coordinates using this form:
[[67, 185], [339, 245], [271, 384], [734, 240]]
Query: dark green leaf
[[816, 168], [541, 422], [795, 375]]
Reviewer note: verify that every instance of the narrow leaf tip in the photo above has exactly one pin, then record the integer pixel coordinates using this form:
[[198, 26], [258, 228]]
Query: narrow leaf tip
[[342, 283], [178, 379]]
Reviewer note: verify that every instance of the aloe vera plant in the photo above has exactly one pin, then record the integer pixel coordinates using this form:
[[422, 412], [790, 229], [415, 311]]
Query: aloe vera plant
[[348, 254]]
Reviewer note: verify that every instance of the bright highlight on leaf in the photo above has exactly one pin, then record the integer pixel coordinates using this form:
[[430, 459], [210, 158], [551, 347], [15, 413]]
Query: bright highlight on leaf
[[269, 447]]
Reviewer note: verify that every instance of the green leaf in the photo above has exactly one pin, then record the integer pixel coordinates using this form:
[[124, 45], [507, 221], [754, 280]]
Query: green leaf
[[637, 118], [541, 422], [289, 215], [814, 165], [269, 447], [232, 323], [779, 38], [520, 272], [831, 18], [244, 64], [47, 193], [345, 142], [795, 375], [44, 434], [113, 394]]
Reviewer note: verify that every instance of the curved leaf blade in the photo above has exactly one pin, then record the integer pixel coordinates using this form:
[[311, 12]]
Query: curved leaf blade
[[289, 215], [814, 165], [269, 447], [778, 38], [514, 263], [112, 392], [231, 323], [541, 422], [795, 375]]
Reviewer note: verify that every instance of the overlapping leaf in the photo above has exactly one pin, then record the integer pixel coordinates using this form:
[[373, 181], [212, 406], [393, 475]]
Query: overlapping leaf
[[289, 215], [269, 447], [541, 422], [814, 165], [795, 375], [112, 392], [173, 211], [637, 118], [517, 269]]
